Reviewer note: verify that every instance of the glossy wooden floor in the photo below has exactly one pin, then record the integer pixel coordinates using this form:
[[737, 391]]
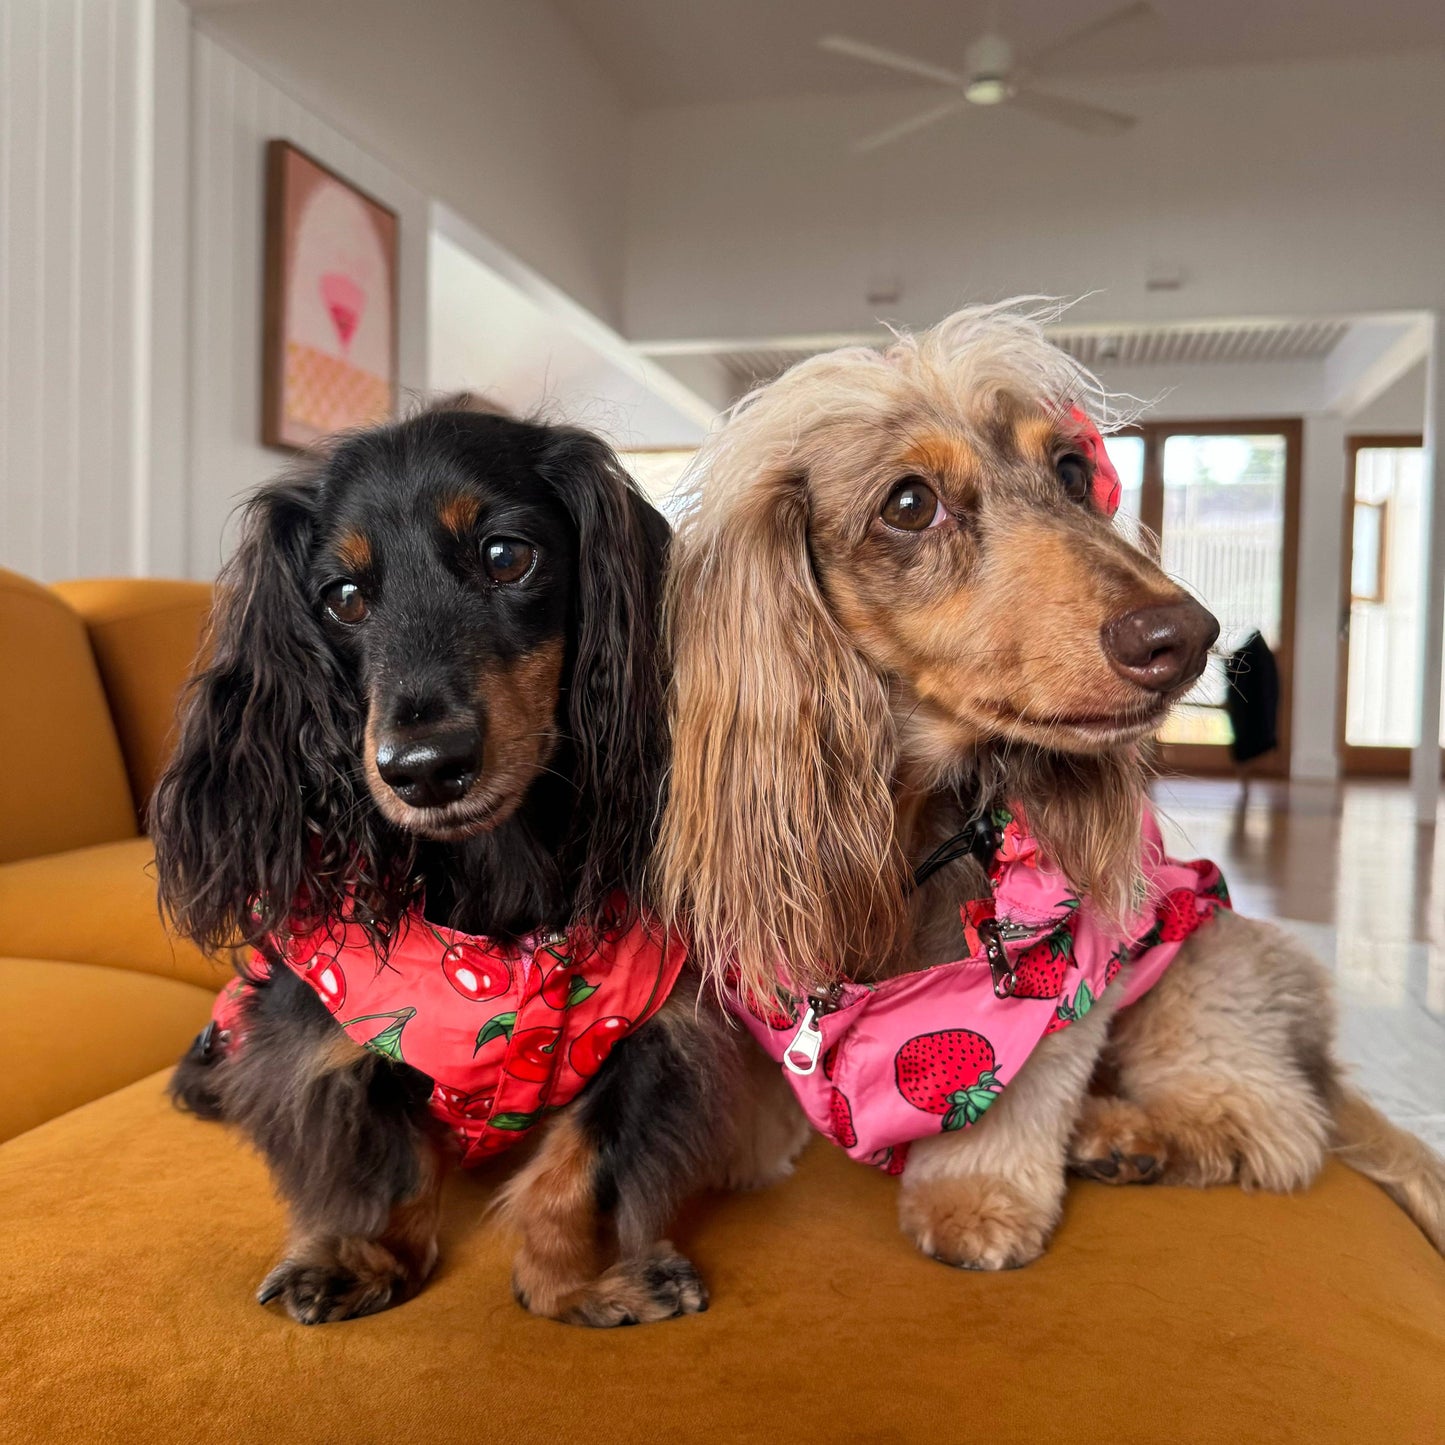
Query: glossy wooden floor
[[1347, 868]]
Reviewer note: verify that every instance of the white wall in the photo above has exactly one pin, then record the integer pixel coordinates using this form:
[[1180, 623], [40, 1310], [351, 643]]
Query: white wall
[[1276, 190], [1399, 409], [235, 111], [87, 455], [1221, 391], [132, 145], [494, 107], [499, 329], [1318, 599]]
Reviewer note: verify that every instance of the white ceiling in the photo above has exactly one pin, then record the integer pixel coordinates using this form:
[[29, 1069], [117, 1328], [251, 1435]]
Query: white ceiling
[[1235, 342], [673, 52]]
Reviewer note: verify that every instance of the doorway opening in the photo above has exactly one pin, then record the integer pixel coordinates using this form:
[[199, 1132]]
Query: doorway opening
[[1382, 609], [1218, 504]]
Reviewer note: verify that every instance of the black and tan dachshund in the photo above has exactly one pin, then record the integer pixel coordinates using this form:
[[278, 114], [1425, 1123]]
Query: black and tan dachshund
[[433, 674]]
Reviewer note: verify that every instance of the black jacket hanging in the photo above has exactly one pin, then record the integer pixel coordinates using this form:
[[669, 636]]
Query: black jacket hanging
[[1252, 699]]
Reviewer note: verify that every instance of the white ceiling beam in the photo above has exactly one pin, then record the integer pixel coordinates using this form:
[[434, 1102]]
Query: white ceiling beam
[[1371, 358]]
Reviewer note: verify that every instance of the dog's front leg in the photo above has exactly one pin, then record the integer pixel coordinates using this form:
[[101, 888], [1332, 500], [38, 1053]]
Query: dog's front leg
[[989, 1196], [651, 1126], [333, 1271], [352, 1150]]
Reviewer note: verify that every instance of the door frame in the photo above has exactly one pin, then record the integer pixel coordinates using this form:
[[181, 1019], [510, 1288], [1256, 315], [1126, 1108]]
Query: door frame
[[1361, 761], [1209, 758]]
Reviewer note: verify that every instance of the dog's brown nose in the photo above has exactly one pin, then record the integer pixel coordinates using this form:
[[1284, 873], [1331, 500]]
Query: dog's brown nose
[[1160, 648]]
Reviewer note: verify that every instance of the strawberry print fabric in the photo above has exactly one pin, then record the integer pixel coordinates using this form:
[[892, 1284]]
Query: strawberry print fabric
[[507, 1032], [931, 1051]]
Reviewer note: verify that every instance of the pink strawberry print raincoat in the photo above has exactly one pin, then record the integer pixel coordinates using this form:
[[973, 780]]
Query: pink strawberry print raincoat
[[507, 1032], [876, 1066]]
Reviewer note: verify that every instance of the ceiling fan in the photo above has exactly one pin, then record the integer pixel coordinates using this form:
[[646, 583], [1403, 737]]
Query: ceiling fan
[[994, 75]]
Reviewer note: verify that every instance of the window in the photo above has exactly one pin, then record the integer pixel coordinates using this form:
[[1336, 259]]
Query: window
[[1216, 503], [657, 470], [1367, 557]]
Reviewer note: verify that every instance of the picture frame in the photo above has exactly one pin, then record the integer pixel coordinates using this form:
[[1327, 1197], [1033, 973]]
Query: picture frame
[[329, 348]]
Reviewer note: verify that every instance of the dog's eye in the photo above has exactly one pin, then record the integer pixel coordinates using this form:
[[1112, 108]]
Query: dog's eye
[[1073, 473], [346, 603], [912, 506], [508, 559]]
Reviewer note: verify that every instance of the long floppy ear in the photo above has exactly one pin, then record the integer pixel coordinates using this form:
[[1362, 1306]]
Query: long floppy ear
[[615, 708], [260, 809], [778, 843]]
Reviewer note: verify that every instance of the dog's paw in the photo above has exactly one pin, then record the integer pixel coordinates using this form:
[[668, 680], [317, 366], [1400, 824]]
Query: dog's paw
[[979, 1221], [1115, 1142], [320, 1293], [1117, 1168], [663, 1286]]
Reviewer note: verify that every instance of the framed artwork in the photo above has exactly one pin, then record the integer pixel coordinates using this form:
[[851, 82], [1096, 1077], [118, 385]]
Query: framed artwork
[[329, 352]]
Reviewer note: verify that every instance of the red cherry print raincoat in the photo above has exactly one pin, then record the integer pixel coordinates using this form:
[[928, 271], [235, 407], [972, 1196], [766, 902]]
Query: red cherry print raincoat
[[507, 1032]]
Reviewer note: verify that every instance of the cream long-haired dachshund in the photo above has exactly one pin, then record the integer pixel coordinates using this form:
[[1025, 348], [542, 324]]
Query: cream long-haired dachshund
[[896, 604]]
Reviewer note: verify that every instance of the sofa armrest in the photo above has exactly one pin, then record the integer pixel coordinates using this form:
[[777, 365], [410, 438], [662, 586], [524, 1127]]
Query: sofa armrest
[[65, 783], [145, 634]]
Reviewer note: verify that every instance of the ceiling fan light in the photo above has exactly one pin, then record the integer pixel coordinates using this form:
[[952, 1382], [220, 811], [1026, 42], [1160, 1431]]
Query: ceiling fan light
[[988, 90]]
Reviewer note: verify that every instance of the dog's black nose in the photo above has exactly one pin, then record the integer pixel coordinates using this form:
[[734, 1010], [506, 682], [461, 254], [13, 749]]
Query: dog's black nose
[[431, 771], [1160, 648]]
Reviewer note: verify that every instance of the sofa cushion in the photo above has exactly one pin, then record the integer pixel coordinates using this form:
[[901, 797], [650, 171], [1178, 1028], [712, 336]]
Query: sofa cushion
[[65, 780], [97, 905], [145, 634], [74, 1032], [140, 1235]]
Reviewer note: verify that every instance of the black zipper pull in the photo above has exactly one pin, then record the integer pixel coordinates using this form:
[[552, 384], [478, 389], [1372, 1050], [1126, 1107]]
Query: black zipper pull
[[826, 1000]]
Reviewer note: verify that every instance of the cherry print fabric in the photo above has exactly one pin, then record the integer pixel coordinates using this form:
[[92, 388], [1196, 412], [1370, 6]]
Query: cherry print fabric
[[508, 1033]]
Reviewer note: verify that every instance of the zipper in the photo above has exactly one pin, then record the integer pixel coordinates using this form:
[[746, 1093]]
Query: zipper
[[993, 933], [1014, 932], [805, 1048], [550, 940]]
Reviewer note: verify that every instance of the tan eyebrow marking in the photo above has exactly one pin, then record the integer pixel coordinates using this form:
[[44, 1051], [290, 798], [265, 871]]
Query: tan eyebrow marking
[[942, 456], [354, 551], [1034, 438], [458, 514]]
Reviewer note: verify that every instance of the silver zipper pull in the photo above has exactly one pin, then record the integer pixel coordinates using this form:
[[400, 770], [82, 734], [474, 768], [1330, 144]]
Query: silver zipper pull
[[1005, 981], [802, 1054], [1013, 932]]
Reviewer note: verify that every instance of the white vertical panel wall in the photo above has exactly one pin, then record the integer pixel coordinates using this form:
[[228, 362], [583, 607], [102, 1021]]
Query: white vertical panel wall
[[235, 111], [74, 211], [132, 158]]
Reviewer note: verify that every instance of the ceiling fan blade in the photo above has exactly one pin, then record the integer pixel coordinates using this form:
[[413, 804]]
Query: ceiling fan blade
[[906, 127], [875, 55], [1055, 50], [1091, 119]]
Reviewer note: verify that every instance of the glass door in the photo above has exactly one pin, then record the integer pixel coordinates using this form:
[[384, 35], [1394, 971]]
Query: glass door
[[1217, 503], [1381, 615]]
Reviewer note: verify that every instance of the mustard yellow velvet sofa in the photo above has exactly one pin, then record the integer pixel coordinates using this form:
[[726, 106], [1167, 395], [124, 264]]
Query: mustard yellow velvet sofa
[[133, 1236]]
